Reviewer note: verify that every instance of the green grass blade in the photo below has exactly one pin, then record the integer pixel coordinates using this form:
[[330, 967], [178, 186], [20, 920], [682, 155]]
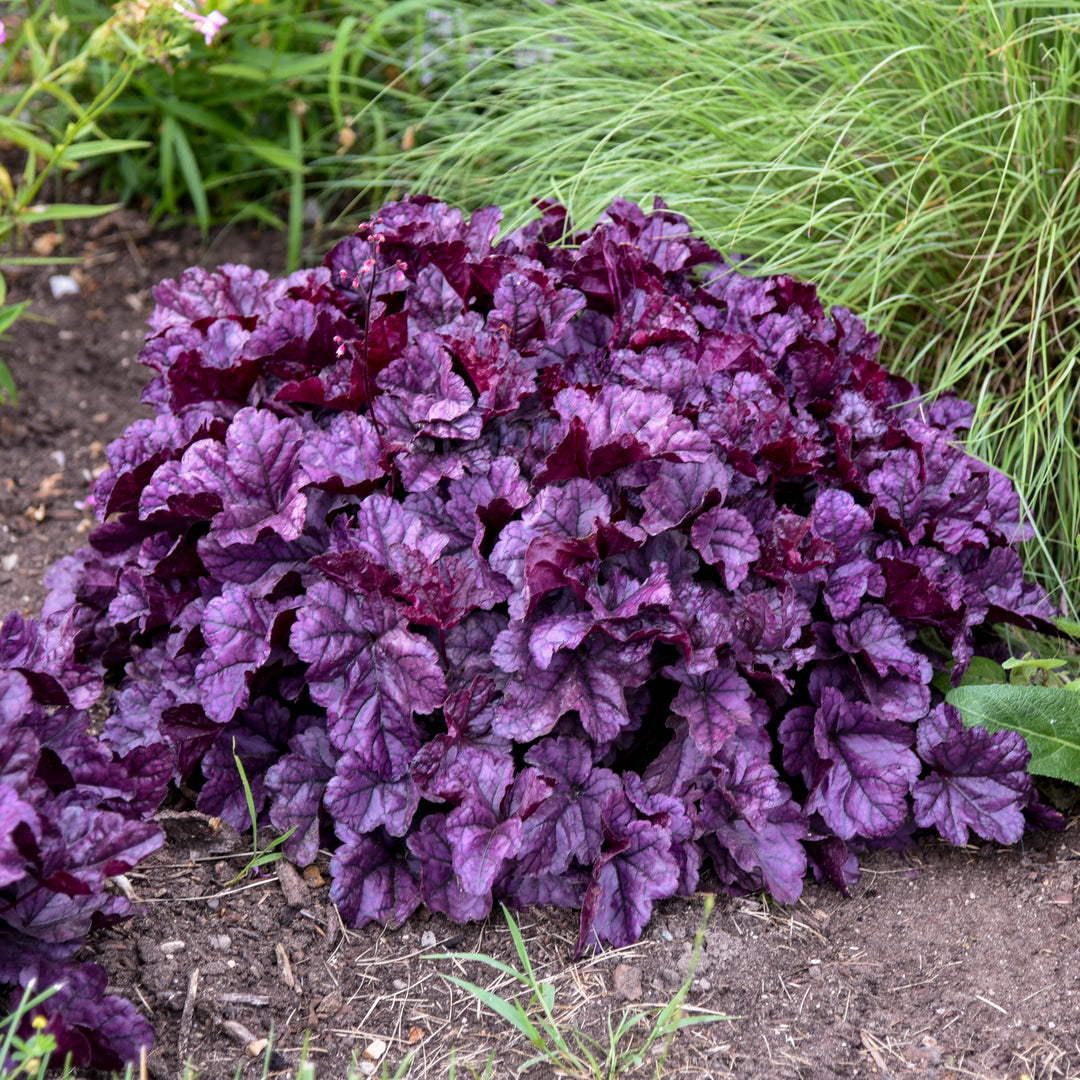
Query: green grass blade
[[346, 29], [64, 212], [10, 312], [189, 168], [510, 1011], [103, 148], [519, 945], [20, 134], [296, 193], [480, 958]]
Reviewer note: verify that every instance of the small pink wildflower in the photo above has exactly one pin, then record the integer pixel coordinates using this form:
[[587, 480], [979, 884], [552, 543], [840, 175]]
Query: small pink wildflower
[[3, 32], [208, 23]]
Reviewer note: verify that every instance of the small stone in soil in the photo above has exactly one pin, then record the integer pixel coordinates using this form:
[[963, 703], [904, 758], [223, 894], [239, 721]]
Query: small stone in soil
[[626, 982], [428, 940], [297, 894], [61, 285]]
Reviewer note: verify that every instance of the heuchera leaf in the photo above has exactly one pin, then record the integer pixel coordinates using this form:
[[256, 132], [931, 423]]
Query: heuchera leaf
[[977, 780], [371, 881], [237, 629], [590, 682], [295, 786], [714, 704], [71, 816], [859, 767], [568, 824], [96, 1029], [725, 537], [636, 868], [255, 476], [363, 800], [536, 570]]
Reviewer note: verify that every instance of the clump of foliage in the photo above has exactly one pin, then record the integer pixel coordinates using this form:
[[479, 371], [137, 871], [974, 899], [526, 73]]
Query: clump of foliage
[[541, 571], [50, 121], [914, 158], [72, 814], [250, 123]]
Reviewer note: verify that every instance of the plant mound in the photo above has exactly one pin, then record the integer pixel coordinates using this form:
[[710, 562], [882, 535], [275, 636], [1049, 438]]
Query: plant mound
[[72, 814], [541, 571]]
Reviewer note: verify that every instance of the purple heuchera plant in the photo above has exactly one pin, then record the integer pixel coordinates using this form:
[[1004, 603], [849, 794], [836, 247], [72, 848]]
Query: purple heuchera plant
[[540, 571], [72, 813]]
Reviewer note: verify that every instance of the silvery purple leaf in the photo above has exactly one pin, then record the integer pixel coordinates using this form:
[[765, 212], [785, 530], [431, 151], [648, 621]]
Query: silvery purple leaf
[[977, 781], [15, 699], [237, 628], [723, 536], [458, 768], [624, 426], [482, 845], [568, 824], [434, 399], [88, 1026], [863, 769], [714, 703], [295, 786], [256, 476], [636, 868], [15, 814], [773, 856], [347, 456], [202, 294], [439, 884], [370, 880], [876, 637], [43, 655], [681, 490], [592, 683], [363, 800]]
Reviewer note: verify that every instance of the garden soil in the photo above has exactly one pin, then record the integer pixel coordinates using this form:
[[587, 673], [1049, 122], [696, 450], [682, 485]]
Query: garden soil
[[944, 962]]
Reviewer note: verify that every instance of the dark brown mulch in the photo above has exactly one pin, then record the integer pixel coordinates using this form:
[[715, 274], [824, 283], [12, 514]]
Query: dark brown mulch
[[946, 962]]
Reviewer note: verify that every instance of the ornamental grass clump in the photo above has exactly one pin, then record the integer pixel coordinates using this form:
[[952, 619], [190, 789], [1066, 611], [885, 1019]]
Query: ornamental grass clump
[[546, 570]]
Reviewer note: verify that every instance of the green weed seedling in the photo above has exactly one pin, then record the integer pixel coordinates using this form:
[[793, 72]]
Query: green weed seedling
[[26, 1058], [486, 1074], [270, 853], [1036, 696], [580, 1055]]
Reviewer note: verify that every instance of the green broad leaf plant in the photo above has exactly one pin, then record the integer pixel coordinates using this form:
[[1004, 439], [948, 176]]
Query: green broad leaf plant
[[53, 129], [1037, 697], [260, 857]]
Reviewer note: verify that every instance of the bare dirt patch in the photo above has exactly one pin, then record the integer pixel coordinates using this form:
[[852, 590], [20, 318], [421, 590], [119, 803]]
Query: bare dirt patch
[[945, 962]]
